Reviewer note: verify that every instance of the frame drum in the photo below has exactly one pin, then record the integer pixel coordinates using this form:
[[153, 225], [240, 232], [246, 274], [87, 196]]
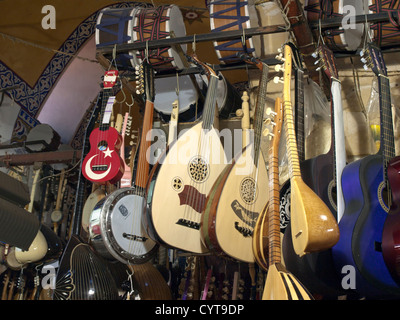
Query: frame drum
[[338, 39], [228, 15], [385, 34], [155, 24], [113, 27], [188, 99], [116, 231]]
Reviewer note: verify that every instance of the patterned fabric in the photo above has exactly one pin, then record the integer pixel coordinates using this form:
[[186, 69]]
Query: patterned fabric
[[31, 99]]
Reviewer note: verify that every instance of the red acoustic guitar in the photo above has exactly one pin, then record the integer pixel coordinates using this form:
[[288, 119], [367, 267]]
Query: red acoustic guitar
[[103, 163]]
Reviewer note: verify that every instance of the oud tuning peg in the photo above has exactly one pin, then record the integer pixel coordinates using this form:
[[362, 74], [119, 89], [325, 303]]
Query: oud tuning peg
[[315, 54], [278, 79], [269, 111], [268, 133], [279, 68]]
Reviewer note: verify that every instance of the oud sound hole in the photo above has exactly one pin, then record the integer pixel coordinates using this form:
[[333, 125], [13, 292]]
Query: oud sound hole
[[198, 169], [102, 145], [248, 190]]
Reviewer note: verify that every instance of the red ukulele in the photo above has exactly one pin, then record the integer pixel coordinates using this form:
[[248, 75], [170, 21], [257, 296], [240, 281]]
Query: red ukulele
[[103, 163]]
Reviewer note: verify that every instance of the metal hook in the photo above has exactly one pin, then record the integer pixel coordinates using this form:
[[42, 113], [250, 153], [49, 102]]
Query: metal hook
[[146, 51], [194, 44]]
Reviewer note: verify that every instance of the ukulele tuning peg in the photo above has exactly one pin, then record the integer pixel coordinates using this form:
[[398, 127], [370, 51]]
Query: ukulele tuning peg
[[278, 79]]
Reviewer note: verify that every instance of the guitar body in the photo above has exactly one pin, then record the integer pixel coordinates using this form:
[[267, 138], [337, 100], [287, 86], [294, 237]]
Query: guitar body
[[183, 180], [233, 206], [367, 233], [103, 163], [360, 183], [391, 228]]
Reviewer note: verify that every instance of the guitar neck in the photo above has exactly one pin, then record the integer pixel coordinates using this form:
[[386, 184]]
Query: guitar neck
[[143, 164], [387, 148], [338, 142], [293, 157]]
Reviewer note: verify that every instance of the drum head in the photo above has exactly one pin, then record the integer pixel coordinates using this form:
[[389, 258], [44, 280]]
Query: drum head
[[122, 229], [175, 23], [165, 89], [352, 37]]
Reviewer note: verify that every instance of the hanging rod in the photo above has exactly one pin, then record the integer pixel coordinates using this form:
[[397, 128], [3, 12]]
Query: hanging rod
[[337, 21], [213, 36]]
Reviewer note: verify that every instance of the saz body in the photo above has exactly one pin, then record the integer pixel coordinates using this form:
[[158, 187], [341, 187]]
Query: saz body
[[180, 181]]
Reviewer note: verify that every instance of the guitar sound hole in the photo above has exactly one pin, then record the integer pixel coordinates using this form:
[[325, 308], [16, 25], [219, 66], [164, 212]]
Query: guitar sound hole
[[384, 196], [332, 194], [102, 145]]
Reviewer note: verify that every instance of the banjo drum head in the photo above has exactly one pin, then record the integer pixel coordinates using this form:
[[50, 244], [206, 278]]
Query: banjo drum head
[[115, 228]]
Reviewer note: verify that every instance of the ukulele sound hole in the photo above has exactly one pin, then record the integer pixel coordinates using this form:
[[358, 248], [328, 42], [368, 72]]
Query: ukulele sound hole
[[102, 145], [198, 169]]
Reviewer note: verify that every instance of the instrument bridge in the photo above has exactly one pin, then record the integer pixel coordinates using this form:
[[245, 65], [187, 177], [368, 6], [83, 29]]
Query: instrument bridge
[[134, 237], [189, 224]]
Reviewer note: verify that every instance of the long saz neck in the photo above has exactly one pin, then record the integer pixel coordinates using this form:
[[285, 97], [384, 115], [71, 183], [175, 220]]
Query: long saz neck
[[274, 237], [143, 164], [293, 158], [387, 148]]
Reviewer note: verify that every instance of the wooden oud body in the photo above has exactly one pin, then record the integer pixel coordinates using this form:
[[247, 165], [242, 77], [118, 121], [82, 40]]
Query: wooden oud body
[[361, 228], [232, 207], [179, 185]]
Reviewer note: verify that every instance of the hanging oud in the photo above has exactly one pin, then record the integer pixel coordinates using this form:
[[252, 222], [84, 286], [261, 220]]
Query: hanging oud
[[238, 195], [322, 174], [103, 163], [313, 226], [183, 178], [367, 196]]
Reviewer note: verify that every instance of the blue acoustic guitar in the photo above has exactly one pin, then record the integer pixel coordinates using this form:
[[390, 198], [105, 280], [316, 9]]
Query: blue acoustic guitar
[[367, 197]]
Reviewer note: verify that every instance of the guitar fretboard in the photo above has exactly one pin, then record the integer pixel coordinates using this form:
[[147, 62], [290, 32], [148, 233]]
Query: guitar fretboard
[[387, 148]]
